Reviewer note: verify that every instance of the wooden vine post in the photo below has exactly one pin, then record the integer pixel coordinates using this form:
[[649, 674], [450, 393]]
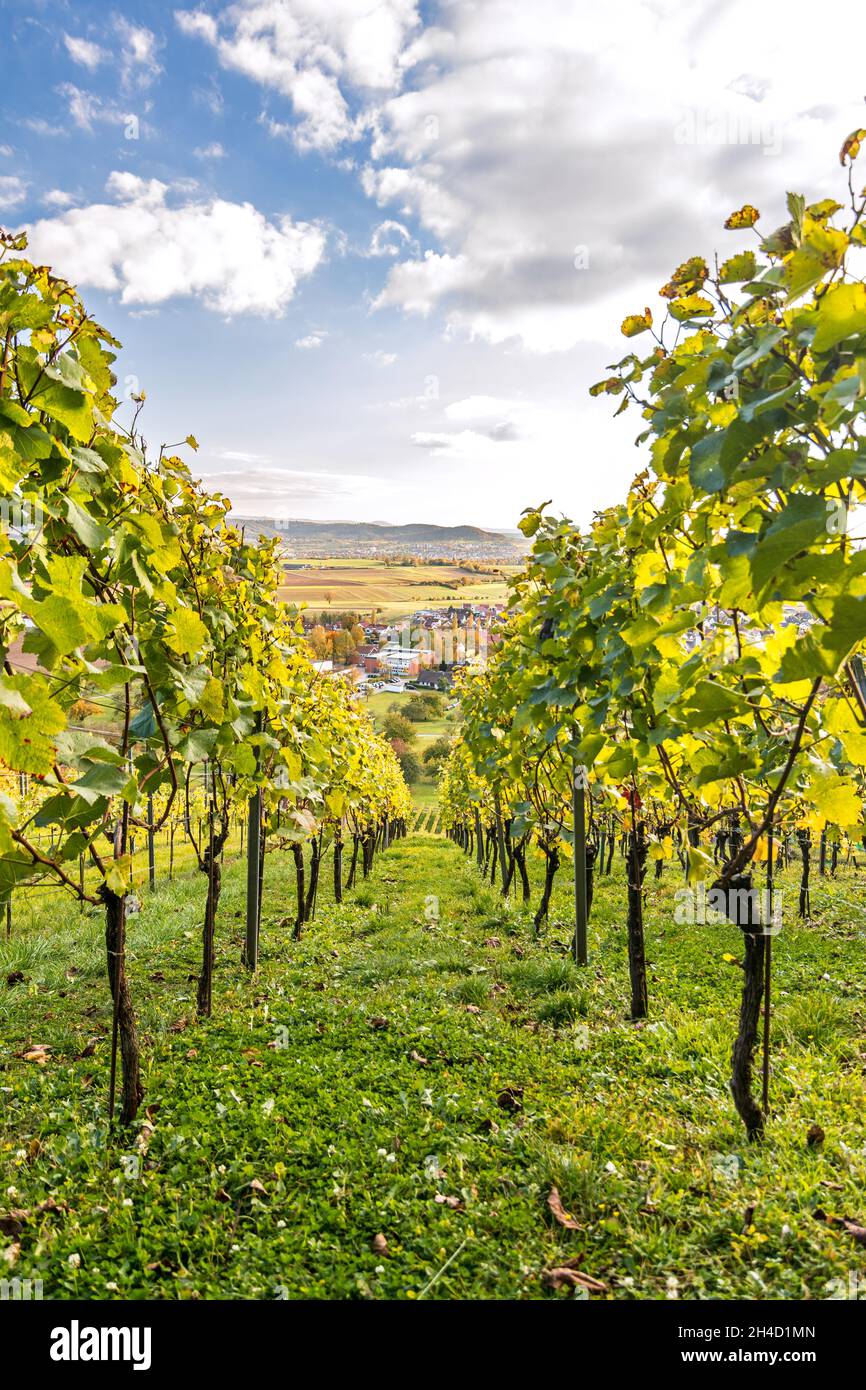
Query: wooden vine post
[[578, 803]]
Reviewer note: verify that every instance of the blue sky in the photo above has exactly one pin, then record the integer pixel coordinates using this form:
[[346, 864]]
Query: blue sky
[[372, 253]]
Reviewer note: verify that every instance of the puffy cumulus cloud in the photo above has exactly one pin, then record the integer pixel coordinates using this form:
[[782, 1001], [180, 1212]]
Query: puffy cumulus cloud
[[149, 249], [421, 195], [553, 165], [419, 285], [13, 191], [324, 58], [59, 198]]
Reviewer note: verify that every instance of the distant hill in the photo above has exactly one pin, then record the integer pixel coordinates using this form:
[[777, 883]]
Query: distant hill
[[297, 532]]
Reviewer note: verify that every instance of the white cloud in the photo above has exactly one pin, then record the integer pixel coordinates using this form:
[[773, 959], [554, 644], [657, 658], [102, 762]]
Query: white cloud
[[13, 191], [279, 492], [380, 358], [419, 285], [543, 129], [87, 110], [324, 58], [311, 340], [416, 194], [82, 51], [389, 238], [136, 51], [212, 151], [148, 249], [59, 198], [39, 126]]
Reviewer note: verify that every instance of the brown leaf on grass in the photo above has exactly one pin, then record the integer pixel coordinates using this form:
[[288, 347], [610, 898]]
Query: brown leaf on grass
[[179, 1026], [379, 1245], [88, 1050], [510, 1098], [568, 1276], [157, 975], [15, 977], [814, 1136], [222, 1195], [453, 1202], [9, 1256], [856, 1229], [558, 1212], [34, 1150], [258, 1188], [192, 1054], [377, 1022], [748, 1218], [472, 1009], [72, 971], [39, 1052], [493, 941], [416, 1057], [12, 1222]]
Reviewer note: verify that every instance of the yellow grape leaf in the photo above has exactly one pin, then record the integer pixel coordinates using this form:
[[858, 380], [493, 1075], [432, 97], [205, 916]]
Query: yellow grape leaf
[[746, 216], [851, 147], [118, 875], [636, 323], [189, 633]]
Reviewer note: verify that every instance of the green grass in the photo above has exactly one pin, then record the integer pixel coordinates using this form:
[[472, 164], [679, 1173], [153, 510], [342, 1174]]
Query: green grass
[[425, 792], [499, 1070]]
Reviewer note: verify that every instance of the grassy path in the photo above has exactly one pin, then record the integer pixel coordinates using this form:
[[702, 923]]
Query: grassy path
[[382, 1111]]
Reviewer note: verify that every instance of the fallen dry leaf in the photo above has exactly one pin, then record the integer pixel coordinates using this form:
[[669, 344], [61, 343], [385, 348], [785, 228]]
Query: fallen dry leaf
[[179, 1026], [453, 1202], [493, 941], [856, 1229], [558, 1212], [10, 1254], [192, 1054], [39, 1052], [568, 1276], [256, 1186], [379, 1245], [472, 1009], [377, 1022], [510, 1098], [416, 1057], [11, 1222], [814, 1136]]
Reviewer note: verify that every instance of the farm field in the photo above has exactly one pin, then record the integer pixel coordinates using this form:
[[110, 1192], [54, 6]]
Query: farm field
[[395, 590], [487, 1070]]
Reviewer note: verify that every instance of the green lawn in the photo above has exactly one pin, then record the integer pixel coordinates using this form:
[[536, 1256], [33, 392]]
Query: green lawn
[[426, 791], [419, 1068]]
